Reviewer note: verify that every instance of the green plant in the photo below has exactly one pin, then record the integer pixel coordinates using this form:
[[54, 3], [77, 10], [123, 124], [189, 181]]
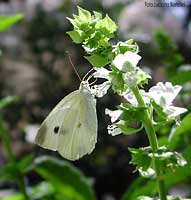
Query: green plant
[[171, 136], [118, 65]]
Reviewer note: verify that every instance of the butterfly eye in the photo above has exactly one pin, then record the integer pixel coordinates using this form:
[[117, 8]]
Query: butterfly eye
[[56, 129]]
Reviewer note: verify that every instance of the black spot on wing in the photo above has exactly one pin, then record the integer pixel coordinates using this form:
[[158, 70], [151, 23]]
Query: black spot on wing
[[56, 129]]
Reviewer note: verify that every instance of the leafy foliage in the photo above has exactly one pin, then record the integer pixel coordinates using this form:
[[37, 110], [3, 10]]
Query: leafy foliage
[[66, 180], [168, 51], [93, 32], [183, 130], [149, 186], [8, 21], [143, 157], [6, 101]]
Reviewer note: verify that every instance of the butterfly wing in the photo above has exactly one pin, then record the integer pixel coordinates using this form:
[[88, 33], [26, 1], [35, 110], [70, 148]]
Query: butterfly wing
[[48, 133], [78, 134]]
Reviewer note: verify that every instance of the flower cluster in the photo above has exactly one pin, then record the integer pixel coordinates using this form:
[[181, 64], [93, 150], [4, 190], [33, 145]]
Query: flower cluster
[[162, 94], [122, 72]]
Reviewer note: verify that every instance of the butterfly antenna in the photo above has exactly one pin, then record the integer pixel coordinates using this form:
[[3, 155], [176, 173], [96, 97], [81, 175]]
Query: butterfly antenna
[[93, 82], [87, 75], [73, 66]]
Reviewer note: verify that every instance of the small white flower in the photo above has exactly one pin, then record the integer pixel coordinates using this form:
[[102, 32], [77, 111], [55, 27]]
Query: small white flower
[[101, 89], [173, 111], [164, 94], [102, 73], [130, 97], [114, 114], [120, 60], [134, 76], [130, 78], [113, 129]]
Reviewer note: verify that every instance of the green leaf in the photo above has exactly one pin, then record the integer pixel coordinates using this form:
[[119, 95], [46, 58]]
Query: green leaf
[[170, 159], [180, 131], [140, 157], [9, 171], [149, 187], [144, 189], [6, 101], [13, 170], [73, 22], [131, 113], [159, 110], [43, 190], [77, 36], [24, 162], [97, 60], [118, 84], [62, 174], [128, 130], [97, 15], [16, 196], [84, 15], [142, 77], [7, 21], [106, 23], [168, 51], [181, 78], [122, 47]]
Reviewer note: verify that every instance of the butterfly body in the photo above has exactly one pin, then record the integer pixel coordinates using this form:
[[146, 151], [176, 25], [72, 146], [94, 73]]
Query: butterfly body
[[71, 127]]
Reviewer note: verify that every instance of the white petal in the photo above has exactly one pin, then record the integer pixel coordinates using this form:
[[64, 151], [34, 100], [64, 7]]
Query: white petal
[[129, 56], [101, 89], [113, 130], [172, 91], [102, 73], [164, 94], [173, 111], [113, 114], [119, 61], [130, 78], [130, 97], [133, 58]]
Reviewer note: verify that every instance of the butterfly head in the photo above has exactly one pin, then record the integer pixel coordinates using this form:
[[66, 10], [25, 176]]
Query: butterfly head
[[85, 87]]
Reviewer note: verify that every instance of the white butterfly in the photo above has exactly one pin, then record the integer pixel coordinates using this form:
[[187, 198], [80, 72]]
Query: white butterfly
[[71, 127]]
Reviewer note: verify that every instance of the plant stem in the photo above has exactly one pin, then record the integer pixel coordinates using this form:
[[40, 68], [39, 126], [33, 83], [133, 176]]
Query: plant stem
[[5, 138], [147, 122]]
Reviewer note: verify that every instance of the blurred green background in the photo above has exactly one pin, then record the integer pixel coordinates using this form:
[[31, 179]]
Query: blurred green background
[[34, 66]]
